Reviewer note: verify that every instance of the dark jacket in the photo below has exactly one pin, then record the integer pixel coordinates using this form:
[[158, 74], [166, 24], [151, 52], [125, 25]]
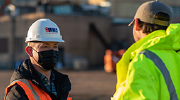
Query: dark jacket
[[27, 71]]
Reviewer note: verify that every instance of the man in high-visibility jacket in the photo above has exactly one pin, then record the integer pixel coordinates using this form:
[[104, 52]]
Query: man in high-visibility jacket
[[36, 78], [149, 69]]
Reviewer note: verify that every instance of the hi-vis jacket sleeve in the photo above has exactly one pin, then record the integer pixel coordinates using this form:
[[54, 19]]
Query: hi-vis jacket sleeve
[[140, 83]]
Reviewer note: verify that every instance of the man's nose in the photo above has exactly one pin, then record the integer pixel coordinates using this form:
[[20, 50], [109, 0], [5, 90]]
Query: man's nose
[[51, 48]]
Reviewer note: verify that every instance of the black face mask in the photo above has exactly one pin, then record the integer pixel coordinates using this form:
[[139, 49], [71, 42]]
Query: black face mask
[[48, 59]]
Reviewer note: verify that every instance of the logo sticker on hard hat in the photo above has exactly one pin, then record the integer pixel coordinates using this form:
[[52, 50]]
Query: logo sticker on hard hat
[[51, 30]]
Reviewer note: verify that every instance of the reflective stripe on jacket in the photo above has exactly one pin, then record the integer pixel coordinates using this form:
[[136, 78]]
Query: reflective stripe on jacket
[[149, 69], [32, 91]]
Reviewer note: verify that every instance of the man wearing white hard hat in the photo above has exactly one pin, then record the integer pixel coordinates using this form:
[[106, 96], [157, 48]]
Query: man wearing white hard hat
[[36, 78], [149, 69]]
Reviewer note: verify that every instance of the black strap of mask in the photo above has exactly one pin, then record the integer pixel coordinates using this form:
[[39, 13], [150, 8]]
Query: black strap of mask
[[36, 51]]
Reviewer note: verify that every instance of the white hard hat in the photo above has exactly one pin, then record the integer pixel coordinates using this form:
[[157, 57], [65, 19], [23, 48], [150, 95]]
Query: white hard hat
[[44, 30]]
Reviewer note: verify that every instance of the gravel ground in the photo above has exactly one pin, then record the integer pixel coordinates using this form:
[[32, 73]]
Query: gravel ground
[[86, 85]]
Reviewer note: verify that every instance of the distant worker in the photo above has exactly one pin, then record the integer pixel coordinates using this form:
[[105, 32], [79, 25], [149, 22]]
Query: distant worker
[[36, 78], [149, 69]]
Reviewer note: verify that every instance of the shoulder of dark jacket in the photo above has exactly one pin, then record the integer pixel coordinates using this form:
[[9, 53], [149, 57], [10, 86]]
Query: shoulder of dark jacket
[[23, 71], [59, 77]]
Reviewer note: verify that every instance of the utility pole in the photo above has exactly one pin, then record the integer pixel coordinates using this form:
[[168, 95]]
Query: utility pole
[[10, 10], [13, 30]]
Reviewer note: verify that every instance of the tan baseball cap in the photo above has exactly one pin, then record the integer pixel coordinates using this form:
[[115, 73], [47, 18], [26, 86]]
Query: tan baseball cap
[[147, 11]]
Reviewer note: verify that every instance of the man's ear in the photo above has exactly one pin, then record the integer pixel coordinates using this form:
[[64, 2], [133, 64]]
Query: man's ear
[[29, 51], [137, 24]]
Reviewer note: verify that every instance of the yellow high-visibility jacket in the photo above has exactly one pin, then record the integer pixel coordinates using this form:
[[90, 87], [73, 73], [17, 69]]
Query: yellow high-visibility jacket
[[150, 68]]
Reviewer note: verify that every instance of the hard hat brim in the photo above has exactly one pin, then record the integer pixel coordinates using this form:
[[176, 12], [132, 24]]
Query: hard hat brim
[[44, 40]]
